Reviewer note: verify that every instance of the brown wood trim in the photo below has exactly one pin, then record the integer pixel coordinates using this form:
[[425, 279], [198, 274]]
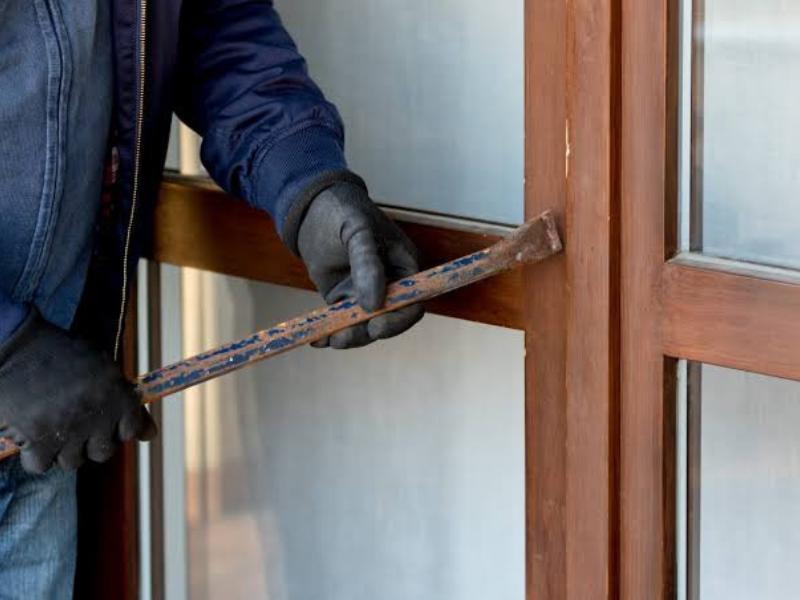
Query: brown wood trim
[[545, 304], [571, 306], [647, 465], [732, 320], [591, 333], [108, 526], [197, 225]]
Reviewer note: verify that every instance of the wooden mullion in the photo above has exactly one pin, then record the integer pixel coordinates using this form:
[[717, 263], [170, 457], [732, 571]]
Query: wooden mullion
[[591, 356], [734, 320], [571, 301], [197, 225], [645, 555], [545, 295]]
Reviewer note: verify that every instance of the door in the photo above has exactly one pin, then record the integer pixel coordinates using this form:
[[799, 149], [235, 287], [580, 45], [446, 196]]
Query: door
[[710, 300]]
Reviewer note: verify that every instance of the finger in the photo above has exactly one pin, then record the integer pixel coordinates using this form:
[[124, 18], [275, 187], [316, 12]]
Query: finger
[[402, 260], [137, 424], [37, 459], [343, 290], [395, 323], [71, 456], [354, 337], [366, 269], [100, 448], [323, 343]]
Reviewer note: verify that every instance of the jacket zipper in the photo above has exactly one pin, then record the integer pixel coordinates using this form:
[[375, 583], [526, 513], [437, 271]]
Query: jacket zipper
[[137, 167]]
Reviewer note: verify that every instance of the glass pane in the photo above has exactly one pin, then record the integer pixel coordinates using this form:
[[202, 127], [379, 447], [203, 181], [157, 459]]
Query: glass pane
[[743, 488], [394, 472], [431, 94], [742, 98]]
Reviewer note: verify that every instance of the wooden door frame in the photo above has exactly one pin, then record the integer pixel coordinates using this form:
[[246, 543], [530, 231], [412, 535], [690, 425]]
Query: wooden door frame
[[571, 301], [674, 306]]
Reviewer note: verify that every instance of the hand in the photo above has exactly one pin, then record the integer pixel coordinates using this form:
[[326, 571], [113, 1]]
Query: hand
[[62, 401], [351, 248]]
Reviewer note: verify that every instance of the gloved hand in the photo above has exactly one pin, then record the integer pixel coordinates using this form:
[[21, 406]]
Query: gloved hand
[[351, 250], [62, 401]]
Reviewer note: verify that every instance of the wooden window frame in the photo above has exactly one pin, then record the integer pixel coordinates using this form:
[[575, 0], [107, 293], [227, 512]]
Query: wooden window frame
[[606, 322], [674, 306], [569, 307]]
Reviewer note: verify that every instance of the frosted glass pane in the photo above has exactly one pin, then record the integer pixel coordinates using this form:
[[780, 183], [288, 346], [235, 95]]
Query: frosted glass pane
[[746, 128], [432, 96], [749, 487], [393, 472]]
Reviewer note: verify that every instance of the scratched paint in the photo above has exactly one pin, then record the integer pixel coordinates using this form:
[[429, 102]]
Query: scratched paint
[[229, 363], [343, 306], [398, 298], [459, 264]]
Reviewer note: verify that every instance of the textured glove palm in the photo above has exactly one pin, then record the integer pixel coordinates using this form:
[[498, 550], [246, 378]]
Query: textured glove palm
[[351, 249], [62, 401]]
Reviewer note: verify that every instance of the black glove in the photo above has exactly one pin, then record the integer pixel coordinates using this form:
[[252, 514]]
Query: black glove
[[351, 249], [62, 401]]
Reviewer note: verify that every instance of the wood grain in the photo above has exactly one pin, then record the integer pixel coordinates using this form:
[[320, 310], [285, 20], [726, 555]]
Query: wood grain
[[592, 315], [732, 320], [545, 294], [197, 225], [645, 556]]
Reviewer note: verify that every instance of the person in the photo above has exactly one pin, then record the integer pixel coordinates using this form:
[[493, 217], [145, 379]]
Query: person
[[87, 90]]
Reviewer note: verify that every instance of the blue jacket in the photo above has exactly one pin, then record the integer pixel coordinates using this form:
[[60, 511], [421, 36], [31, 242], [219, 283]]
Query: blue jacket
[[230, 70]]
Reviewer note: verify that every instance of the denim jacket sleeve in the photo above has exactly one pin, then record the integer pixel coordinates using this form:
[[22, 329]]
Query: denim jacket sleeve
[[270, 136]]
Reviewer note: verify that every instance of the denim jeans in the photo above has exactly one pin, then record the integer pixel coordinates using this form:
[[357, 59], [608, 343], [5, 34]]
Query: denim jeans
[[38, 533]]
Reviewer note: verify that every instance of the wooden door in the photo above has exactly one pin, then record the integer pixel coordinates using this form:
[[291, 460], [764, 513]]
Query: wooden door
[[621, 130], [706, 284]]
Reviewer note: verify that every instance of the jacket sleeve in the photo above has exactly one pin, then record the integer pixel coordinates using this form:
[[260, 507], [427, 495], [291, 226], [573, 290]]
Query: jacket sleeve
[[12, 315], [269, 135]]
